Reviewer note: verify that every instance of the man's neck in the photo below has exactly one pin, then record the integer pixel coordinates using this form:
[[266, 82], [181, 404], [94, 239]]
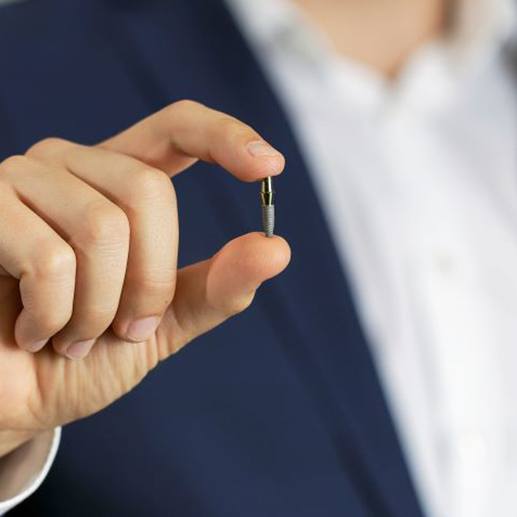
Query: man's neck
[[379, 33]]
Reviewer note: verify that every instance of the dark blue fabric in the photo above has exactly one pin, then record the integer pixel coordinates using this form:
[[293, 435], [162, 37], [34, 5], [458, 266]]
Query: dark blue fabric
[[279, 412]]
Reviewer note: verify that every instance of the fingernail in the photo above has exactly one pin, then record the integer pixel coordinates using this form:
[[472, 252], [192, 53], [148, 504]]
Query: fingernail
[[36, 346], [79, 349], [140, 330], [259, 148]]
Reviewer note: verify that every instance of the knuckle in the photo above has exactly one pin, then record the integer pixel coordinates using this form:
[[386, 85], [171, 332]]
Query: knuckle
[[50, 322], [56, 265], [228, 125], [46, 147], [94, 320], [184, 104], [158, 285], [105, 225], [230, 129], [14, 165], [55, 262], [150, 185]]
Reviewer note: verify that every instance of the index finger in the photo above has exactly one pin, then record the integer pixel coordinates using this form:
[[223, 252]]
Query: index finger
[[176, 137]]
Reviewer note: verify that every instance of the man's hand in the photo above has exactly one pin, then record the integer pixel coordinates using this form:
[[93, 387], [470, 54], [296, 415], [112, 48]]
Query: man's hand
[[90, 296]]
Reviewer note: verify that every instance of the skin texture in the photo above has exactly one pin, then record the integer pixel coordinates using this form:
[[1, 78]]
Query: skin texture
[[88, 247], [381, 34]]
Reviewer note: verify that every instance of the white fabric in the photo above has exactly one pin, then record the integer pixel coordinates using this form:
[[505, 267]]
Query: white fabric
[[418, 180], [34, 483]]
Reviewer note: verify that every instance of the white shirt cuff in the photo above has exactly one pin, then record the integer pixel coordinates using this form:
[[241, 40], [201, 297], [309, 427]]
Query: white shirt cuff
[[35, 481]]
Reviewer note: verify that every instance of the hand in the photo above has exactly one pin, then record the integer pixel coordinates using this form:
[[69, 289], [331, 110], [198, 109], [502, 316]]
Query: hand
[[91, 298]]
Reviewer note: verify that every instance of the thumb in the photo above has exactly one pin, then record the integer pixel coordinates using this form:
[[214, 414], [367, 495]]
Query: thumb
[[211, 291]]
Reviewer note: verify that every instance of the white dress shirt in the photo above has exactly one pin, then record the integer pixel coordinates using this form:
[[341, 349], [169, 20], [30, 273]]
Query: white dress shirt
[[418, 180]]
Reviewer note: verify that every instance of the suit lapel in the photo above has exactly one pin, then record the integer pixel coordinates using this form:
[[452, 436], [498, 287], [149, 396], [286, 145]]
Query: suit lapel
[[192, 49]]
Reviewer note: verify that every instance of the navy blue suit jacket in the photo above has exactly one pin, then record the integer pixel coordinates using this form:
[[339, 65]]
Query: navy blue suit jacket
[[279, 412]]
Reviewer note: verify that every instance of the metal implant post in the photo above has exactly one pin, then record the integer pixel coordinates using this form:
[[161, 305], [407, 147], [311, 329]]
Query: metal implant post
[[268, 206]]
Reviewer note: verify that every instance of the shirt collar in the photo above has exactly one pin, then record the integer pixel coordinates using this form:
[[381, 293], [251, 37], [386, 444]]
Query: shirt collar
[[478, 26], [478, 23], [265, 20], [479, 30]]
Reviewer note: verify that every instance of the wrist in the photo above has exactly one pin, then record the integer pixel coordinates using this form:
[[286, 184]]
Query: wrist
[[12, 440]]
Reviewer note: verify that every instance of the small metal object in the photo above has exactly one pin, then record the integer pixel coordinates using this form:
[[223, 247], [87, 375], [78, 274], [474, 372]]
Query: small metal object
[[268, 206]]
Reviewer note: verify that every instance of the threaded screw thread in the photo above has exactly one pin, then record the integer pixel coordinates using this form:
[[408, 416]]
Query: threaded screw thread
[[268, 220]]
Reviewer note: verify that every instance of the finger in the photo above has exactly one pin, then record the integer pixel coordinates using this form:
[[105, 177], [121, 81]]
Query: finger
[[147, 197], [44, 263], [98, 232], [210, 292], [175, 137]]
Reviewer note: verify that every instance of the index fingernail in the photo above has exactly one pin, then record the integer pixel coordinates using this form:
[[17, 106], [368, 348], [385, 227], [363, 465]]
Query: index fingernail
[[259, 148]]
